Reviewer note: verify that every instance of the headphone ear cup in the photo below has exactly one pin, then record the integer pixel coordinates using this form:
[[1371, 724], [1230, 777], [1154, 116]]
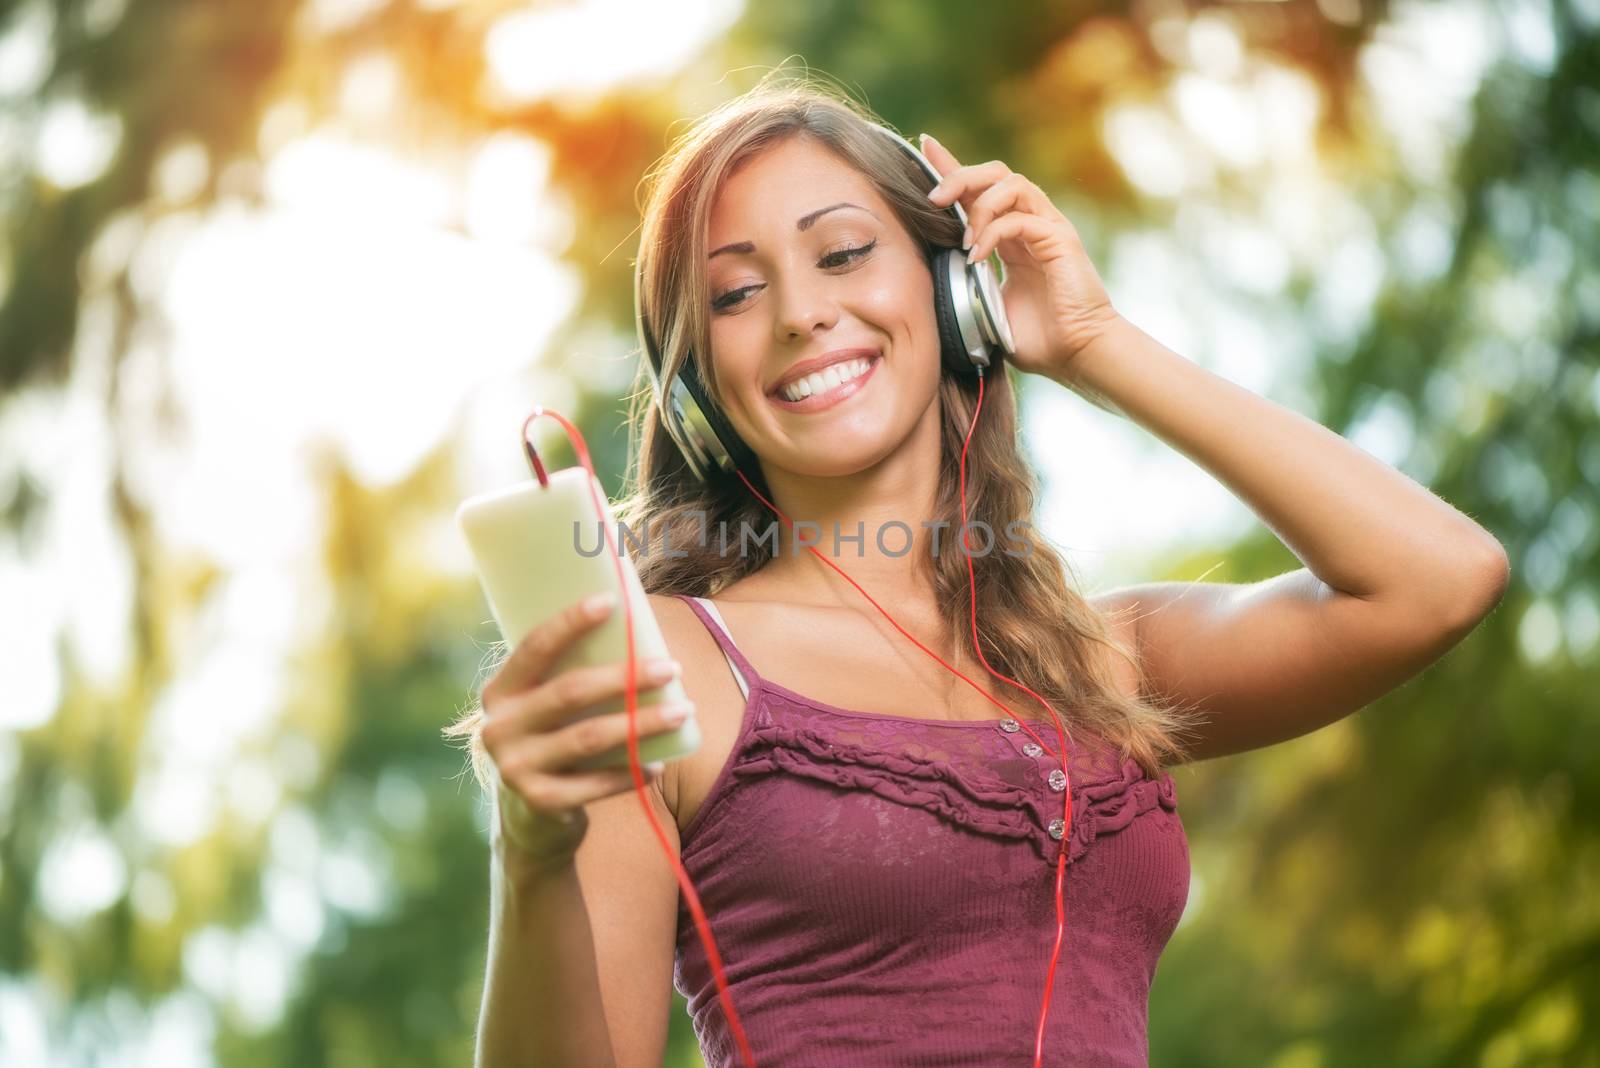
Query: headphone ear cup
[[952, 353], [727, 443]]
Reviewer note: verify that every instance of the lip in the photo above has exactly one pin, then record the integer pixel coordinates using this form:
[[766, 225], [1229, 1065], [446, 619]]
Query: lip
[[818, 363], [838, 394]]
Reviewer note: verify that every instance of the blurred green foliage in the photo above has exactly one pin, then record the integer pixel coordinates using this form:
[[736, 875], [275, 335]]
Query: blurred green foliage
[[1416, 885]]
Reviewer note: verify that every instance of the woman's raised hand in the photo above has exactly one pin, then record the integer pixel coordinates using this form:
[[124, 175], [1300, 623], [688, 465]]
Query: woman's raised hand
[[529, 734], [1055, 300]]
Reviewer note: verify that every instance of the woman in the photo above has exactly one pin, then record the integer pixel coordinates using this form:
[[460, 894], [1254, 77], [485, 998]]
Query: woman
[[873, 840]]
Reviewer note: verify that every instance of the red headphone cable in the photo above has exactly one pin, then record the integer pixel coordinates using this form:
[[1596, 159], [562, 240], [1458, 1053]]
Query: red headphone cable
[[702, 926], [1061, 860], [693, 899]]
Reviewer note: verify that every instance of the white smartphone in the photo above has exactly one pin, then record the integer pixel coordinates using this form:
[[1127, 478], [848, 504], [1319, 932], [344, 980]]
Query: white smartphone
[[538, 549]]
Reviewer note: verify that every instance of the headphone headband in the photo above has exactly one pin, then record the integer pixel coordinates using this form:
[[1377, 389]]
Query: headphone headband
[[968, 307]]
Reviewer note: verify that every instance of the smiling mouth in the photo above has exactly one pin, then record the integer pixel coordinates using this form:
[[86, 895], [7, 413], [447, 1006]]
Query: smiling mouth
[[837, 383]]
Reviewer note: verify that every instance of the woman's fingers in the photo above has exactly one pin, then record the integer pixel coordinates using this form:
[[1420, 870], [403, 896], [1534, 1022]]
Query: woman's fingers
[[967, 183], [1043, 239], [943, 160], [535, 756], [568, 793], [960, 183], [551, 704], [1014, 192], [527, 733]]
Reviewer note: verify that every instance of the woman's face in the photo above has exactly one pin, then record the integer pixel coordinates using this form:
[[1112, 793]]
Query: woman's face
[[808, 264]]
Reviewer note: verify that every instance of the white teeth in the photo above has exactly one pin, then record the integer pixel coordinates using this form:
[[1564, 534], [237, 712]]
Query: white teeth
[[825, 380]]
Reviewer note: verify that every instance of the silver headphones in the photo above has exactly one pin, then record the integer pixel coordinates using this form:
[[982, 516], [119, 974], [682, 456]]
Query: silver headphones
[[967, 306]]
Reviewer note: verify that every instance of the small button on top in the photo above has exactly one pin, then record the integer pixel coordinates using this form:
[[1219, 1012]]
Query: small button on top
[[1058, 827], [1010, 726], [1033, 749], [1058, 780]]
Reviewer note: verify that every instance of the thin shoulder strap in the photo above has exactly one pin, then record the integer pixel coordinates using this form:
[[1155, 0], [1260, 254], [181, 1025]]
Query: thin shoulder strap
[[742, 671]]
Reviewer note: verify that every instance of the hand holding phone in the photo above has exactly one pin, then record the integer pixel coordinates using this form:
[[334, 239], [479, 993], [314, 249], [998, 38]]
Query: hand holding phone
[[555, 714], [538, 550], [537, 746]]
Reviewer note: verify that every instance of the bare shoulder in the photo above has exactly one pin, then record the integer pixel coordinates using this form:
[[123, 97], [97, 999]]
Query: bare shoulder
[[707, 683], [1120, 611], [686, 637]]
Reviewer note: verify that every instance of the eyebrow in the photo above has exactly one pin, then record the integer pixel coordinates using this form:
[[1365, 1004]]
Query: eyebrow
[[802, 224]]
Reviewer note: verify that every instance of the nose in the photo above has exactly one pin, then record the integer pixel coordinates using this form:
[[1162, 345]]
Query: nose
[[802, 308]]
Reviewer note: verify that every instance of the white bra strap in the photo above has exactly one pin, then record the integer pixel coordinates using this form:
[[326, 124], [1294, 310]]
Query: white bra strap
[[744, 687]]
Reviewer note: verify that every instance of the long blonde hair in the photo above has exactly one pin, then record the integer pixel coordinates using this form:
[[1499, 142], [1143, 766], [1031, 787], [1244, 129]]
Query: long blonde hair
[[1035, 626]]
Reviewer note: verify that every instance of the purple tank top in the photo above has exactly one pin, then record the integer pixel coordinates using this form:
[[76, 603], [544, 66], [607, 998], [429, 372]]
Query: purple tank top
[[882, 890]]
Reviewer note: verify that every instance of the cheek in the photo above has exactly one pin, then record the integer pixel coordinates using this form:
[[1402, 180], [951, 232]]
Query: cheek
[[736, 356], [901, 292], [907, 306], [732, 353]]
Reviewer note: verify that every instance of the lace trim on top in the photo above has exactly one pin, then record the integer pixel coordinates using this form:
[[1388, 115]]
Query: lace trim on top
[[973, 773]]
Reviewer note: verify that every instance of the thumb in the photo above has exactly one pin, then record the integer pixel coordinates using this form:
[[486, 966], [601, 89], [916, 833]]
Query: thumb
[[941, 158]]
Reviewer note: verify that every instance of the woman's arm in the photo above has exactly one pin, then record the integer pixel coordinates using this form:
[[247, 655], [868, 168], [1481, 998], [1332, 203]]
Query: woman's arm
[[1394, 576], [541, 999], [581, 953]]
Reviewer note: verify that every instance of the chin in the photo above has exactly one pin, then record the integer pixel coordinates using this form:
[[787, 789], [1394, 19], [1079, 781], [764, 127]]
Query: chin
[[841, 457]]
